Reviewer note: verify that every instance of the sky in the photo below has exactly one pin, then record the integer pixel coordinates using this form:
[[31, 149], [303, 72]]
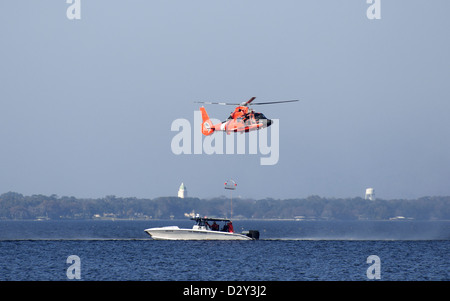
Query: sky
[[87, 105]]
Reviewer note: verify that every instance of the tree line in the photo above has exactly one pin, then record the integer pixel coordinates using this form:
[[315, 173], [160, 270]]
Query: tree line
[[15, 206]]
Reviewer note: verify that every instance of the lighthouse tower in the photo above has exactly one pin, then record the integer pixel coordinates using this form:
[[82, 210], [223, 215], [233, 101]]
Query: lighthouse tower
[[182, 192]]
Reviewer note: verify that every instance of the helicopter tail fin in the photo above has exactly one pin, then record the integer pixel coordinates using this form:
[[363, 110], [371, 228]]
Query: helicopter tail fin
[[207, 125]]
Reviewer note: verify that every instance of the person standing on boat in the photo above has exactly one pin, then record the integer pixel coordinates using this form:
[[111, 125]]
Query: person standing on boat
[[230, 227]]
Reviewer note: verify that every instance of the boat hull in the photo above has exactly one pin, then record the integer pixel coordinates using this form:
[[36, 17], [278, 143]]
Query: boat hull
[[175, 233]]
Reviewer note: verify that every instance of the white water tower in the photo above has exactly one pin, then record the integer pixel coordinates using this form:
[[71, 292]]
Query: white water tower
[[231, 185], [370, 194]]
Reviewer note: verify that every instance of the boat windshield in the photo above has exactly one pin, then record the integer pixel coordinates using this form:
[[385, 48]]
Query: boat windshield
[[211, 224], [200, 222]]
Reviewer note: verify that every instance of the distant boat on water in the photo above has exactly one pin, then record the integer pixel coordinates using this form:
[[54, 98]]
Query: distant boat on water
[[202, 230]]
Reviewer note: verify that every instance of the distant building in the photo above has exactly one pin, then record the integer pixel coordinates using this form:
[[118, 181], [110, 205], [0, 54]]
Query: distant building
[[192, 214], [370, 194], [182, 192]]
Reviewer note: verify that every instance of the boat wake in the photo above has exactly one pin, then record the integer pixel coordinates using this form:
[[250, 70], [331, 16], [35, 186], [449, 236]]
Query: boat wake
[[76, 239]]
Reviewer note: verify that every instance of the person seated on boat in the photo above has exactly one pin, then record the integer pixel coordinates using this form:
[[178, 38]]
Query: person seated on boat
[[230, 227], [225, 228], [215, 227], [207, 225]]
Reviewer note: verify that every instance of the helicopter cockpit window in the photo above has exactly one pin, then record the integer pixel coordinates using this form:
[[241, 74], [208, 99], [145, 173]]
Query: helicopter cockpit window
[[260, 116]]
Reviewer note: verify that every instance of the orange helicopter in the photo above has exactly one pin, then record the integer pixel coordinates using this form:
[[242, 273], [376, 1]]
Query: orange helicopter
[[242, 119]]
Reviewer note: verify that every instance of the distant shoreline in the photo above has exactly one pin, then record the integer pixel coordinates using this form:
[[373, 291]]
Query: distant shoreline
[[15, 206]]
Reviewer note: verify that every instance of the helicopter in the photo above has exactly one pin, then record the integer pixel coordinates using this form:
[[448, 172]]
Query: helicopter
[[242, 119]]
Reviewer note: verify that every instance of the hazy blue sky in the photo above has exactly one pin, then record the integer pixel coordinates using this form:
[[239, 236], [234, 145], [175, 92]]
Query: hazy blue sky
[[86, 106]]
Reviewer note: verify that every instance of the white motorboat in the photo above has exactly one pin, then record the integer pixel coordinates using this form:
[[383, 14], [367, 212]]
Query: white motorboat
[[202, 230]]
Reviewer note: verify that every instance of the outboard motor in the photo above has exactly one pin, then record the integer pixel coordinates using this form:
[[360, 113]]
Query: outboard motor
[[252, 234]]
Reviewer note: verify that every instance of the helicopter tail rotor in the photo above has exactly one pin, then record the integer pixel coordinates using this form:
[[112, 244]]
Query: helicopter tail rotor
[[207, 125]]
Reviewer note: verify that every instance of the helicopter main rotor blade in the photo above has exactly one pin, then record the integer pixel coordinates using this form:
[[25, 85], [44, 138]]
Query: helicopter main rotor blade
[[246, 103], [273, 102], [218, 103]]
